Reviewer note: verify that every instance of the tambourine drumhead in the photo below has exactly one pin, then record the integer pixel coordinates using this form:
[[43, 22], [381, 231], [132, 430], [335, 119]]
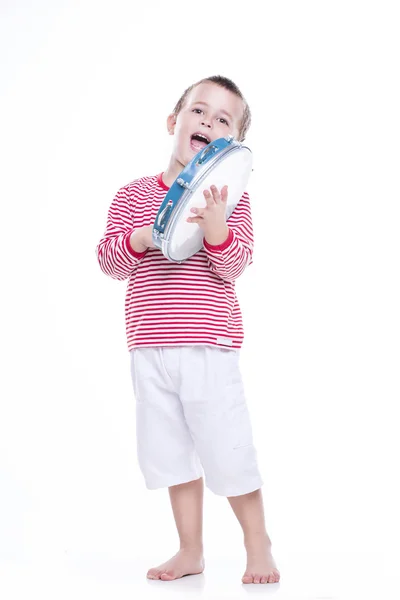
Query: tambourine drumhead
[[233, 170]]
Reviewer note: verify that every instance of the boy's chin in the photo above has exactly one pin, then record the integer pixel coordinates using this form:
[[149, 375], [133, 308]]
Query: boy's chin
[[182, 161], [185, 157]]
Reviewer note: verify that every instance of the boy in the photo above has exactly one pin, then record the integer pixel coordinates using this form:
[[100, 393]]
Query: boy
[[184, 332]]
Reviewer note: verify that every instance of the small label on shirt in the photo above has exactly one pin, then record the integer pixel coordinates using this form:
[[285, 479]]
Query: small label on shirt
[[223, 341]]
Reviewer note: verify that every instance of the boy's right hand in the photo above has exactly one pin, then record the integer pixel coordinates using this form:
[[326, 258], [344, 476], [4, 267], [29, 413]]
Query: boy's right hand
[[141, 239]]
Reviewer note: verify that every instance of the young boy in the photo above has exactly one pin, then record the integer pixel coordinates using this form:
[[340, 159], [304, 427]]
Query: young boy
[[184, 331]]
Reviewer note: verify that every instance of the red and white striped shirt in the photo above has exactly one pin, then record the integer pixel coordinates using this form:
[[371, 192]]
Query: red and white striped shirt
[[175, 304]]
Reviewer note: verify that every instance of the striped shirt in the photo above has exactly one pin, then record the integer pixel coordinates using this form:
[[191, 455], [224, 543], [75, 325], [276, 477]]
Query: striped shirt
[[175, 304]]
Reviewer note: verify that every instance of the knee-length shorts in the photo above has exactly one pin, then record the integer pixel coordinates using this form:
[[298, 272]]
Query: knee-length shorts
[[192, 419]]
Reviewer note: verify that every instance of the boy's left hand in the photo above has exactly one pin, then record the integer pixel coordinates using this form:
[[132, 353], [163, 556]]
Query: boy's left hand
[[212, 218]]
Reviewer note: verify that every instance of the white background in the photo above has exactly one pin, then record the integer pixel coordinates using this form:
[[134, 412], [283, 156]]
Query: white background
[[86, 88]]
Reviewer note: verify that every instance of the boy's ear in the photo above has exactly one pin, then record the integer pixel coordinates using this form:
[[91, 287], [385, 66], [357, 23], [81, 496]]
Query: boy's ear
[[171, 122]]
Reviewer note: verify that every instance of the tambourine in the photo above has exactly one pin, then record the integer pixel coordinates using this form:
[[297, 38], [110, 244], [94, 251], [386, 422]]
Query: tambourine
[[222, 162]]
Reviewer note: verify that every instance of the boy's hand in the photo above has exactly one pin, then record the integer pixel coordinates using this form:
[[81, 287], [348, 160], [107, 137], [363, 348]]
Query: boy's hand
[[212, 218], [142, 239]]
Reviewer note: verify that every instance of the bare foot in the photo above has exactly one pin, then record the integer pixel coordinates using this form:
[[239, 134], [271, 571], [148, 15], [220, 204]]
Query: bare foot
[[185, 562], [261, 567]]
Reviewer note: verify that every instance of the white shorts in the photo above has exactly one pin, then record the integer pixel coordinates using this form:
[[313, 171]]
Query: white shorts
[[191, 415]]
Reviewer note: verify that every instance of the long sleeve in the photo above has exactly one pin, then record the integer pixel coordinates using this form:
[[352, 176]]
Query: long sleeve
[[170, 304], [230, 259], [114, 253]]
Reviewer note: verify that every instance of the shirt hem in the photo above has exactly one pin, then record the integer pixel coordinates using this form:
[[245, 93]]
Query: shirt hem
[[173, 343]]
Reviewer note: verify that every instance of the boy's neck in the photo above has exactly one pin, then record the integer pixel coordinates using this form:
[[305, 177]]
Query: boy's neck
[[172, 171]]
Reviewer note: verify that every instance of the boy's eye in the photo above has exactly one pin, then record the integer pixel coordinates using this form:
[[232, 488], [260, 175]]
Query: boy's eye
[[197, 110], [224, 121]]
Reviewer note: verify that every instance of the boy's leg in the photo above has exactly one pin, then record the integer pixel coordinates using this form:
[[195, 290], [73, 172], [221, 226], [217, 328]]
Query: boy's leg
[[187, 506], [166, 454], [249, 510], [218, 418]]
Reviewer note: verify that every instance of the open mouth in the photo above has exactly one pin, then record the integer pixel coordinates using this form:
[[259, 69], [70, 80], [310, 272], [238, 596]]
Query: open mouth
[[199, 141]]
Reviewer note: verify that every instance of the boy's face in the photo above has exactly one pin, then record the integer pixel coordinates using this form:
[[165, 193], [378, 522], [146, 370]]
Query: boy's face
[[209, 112]]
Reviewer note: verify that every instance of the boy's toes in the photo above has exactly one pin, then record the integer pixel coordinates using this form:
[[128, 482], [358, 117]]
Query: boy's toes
[[247, 578], [153, 574], [264, 579], [257, 578], [167, 576]]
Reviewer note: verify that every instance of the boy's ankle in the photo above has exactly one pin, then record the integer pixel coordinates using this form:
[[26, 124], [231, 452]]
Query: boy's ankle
[[193, 548], [257, 537]]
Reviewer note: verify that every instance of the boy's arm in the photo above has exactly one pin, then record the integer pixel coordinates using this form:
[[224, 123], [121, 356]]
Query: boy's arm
[[114, 252], [230, 258]]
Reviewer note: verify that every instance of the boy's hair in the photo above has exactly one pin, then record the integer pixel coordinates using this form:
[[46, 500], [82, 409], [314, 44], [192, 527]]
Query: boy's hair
[[228, 85]]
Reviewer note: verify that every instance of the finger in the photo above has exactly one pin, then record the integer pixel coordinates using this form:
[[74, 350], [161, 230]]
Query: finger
[[209, 198], [224, 193], [198, 211], [195, 220], [216, 194]]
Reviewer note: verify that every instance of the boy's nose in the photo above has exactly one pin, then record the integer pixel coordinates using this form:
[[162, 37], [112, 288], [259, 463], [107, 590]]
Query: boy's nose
[[206, 123]]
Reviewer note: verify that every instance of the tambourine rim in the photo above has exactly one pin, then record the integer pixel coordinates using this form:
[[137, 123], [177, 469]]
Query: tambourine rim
[[191, 177], [187, 193]]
